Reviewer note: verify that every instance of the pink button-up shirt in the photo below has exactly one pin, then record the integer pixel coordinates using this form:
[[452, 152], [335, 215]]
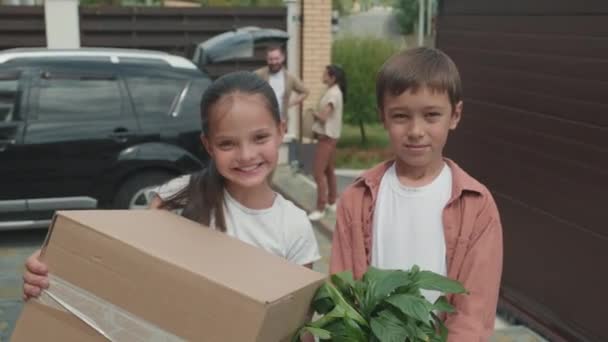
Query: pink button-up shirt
[[473, 235]]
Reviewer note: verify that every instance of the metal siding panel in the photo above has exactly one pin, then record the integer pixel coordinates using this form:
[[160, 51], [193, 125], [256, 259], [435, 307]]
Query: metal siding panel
[[535, 131]]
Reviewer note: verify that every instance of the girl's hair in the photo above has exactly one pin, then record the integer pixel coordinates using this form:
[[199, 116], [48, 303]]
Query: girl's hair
[[340, 77], [204, 195]]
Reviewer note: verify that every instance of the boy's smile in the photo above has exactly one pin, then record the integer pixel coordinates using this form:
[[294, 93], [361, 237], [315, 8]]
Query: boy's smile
[[418, 122]]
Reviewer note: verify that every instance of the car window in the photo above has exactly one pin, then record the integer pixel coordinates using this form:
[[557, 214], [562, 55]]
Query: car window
[[78, 97], [191, 103], [154, 97], [9, 97]]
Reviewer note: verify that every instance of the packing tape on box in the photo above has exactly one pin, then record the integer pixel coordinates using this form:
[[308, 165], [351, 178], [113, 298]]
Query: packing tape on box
[[109, 320]]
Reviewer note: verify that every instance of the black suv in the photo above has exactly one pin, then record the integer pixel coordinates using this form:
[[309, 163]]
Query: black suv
[[93, 128]]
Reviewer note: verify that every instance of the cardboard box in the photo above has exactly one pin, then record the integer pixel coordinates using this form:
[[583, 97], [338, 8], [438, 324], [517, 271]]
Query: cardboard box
[[150, 275]]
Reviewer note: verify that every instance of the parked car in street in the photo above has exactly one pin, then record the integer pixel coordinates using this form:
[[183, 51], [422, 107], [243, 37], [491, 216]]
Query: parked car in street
[[240, 49], [93, 128]]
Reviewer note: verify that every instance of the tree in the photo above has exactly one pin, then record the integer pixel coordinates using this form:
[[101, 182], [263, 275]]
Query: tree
[[361, 58], [407, 14], [241, 2]]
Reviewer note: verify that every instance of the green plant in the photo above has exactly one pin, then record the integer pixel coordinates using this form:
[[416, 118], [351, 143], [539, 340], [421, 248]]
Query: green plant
[[252, 3], [407, 14], [342, 6], [385, 306], [360, 106]]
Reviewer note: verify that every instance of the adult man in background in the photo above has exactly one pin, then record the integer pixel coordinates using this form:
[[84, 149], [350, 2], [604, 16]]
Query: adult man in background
[[282, 82]]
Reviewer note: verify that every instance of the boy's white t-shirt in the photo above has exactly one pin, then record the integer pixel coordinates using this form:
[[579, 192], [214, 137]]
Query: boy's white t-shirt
[[408, 225], [283, 229]]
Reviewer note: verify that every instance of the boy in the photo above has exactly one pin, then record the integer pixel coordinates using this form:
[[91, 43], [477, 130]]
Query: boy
[[421, 208]]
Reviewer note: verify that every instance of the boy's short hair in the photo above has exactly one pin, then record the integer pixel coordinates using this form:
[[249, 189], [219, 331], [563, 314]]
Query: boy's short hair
[[419, 67]]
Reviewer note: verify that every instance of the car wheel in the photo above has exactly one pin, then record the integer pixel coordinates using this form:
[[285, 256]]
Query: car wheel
[[136, 192]]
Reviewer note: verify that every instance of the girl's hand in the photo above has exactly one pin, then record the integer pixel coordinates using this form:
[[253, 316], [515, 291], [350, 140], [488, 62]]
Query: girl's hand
[[35, 277]]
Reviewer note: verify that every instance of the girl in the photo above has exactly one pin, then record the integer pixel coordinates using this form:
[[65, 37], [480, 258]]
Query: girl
[[242, 132], [327, 128]]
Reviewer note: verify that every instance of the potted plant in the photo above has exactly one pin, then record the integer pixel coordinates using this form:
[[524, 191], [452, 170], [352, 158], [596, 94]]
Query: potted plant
[[384, 306]]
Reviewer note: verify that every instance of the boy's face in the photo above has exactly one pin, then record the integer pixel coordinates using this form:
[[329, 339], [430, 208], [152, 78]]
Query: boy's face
[[418, 124]]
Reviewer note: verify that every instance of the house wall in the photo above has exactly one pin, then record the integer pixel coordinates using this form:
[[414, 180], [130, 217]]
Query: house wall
[[316, 53]]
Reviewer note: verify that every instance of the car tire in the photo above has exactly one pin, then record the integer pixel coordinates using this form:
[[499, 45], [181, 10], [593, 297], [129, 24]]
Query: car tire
[[134, 192]]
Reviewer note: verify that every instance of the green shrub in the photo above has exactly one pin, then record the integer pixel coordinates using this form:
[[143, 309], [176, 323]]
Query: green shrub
[[407, 15], [214, 3], [361, 59], [342, 6]]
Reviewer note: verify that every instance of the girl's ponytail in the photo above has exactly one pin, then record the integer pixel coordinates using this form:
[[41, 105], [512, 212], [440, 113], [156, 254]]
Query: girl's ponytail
[[203, 199]]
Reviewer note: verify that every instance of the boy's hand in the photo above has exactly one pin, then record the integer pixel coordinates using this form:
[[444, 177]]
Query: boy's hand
[[35, 277]]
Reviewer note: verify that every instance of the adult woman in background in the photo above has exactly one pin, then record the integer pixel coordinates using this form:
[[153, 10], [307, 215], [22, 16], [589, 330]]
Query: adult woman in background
[[327, 128]]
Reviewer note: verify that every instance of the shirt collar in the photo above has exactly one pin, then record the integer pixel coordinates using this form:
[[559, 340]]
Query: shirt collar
[[461, 181]]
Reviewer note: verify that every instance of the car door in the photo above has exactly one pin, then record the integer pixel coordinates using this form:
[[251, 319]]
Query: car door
[[13, 95], [79, 124]]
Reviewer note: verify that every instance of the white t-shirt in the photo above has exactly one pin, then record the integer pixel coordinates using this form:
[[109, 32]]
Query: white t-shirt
[[332, 127], [277, 82], [283, 229], [408, 227]]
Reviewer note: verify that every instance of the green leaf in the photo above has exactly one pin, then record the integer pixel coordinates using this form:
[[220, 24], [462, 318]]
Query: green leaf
[[428, 329], [414, 271], [344, 281], [374, 274], [346, 330], [359, 291], [317, 332], [368, 304], [390, 283], [388, 328], [323, 303], [338, 312], [432, 281], [440, 326], [441, 304], [381, 284], [350, 311], [418, 332], [412, 306]]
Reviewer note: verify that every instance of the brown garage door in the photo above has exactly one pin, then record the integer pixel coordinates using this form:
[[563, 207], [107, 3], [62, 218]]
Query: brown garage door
[[535, 130]]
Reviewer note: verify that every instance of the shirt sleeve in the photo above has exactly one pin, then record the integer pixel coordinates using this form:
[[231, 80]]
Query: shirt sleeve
[[302, 246], [299, 87], [341, 249], [481, 273], [332, 98], [171, 188]]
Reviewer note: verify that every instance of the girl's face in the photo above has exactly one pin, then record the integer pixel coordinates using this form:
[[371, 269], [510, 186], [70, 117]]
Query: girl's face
[[243, 140], [327, 79]]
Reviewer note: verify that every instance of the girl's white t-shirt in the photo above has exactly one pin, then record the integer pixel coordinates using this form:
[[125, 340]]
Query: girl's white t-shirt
[[283, 229]]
